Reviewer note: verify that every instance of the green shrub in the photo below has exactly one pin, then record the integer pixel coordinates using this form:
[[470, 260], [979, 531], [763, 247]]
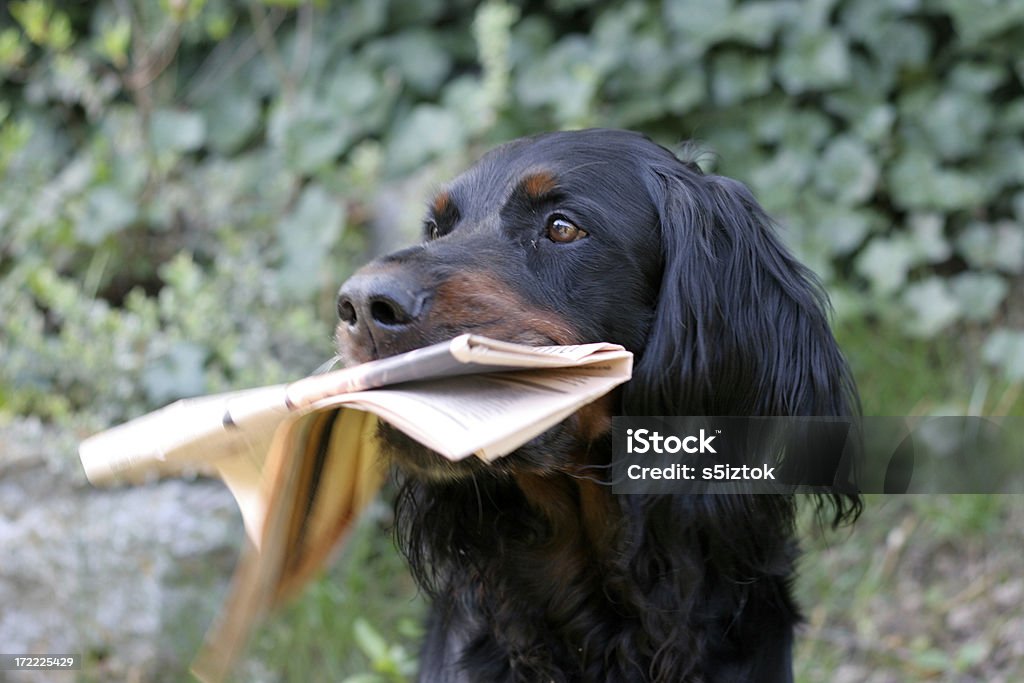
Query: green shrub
[[186, 182]]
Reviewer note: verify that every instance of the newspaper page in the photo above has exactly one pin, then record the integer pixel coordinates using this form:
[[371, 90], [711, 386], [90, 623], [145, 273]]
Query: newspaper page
[[485, 415], [322, 470], [456, 413], [301, 460], [239, 425]]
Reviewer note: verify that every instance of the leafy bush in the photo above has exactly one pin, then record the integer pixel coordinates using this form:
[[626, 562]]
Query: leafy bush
[[186, 182]]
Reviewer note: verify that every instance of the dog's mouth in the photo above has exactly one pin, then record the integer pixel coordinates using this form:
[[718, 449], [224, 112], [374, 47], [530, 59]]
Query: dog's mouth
[[412, 457], [418, 461], [387, 309], [560, 449]]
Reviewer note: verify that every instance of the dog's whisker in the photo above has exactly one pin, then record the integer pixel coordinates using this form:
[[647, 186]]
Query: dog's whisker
[[595, 466], [593, 480], [328, 365], [479, 499]]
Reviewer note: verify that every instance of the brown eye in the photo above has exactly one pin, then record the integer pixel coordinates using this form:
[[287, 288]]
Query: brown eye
[[431, 229], [562, 230]]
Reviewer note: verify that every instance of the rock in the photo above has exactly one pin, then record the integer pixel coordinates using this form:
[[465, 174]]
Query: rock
[[130, 577]]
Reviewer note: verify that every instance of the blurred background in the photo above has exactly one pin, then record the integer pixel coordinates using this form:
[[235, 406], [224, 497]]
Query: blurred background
[[184, 184]]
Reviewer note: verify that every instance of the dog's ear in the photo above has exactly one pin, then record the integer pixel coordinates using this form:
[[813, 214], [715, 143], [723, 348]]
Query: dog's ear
[[740, 328]]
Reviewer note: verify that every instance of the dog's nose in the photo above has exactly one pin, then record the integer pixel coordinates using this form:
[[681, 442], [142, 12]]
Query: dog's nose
[[380, 305]]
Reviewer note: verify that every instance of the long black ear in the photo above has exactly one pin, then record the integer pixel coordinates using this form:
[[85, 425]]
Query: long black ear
[[741, 327]]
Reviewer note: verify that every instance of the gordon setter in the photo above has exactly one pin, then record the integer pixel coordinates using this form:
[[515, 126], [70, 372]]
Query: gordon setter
[[536, 571]]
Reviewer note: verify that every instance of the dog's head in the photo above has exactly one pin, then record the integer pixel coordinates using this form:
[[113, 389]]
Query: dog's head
[[603, 235]]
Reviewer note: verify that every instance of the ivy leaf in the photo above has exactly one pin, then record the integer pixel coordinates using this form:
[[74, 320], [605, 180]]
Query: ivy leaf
[[778, 181], [177, 373], [702, 22], [757, 22], [931, 307], [114, 40], [964, 112], [874, 125], [979, 294], [686, 91], [1002, 162], [930, 243], [106, 211], [980, 78], [361, 18], [417, 55], [847, 171], [814, 61], [977, 21], [353, 89], [885, 263], [565, 79], [1005, 349], [426, 132], [737, 77], [846, 229], [917, 182], [171, 130], [232, 118], [898, 45], [806, 130], [999, 246], [310, 133], [43, 25], [306, 237]]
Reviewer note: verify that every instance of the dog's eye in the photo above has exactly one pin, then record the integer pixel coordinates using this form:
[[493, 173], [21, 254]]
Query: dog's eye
[[430, 229], [562, 230]]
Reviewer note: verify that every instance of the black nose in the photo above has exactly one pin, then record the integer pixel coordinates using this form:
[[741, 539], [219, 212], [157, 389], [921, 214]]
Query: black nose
[[375, 307]]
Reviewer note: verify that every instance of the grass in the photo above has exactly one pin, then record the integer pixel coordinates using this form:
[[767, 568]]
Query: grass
[[923, 587], [900, 375], [360, 623]]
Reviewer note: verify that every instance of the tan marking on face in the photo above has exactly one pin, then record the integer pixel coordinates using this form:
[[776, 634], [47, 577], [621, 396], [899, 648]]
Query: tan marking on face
[[441, 202], [483, 305], [539, 184]]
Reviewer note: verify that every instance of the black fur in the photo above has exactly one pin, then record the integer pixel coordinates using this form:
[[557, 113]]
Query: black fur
[[536, 571]]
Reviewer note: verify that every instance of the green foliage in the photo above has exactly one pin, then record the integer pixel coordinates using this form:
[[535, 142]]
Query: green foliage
[[389, 662], [43, 25], [887, 592], [360, 623], [248, 140]]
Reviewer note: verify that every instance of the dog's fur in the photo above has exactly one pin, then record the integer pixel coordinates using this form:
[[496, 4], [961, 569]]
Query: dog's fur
[[536, 570]]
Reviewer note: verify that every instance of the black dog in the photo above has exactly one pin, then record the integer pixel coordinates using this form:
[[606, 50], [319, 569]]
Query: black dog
[[537, 572]]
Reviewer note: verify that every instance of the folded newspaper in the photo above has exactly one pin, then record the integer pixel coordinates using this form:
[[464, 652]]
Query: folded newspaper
[[300, 458]]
